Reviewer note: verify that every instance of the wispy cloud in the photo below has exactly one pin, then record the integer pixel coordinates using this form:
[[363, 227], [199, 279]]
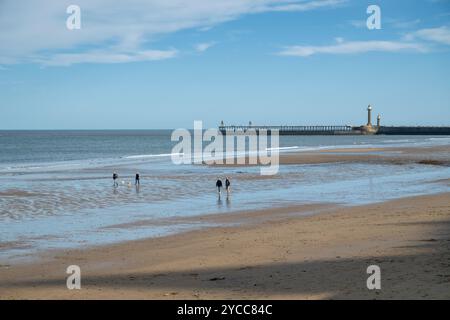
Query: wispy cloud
[[352, 47], [201, 47], [439, 35], [422, 40], [33, 31], [388, 23], [301, 6], [106, 57], [405, 24]]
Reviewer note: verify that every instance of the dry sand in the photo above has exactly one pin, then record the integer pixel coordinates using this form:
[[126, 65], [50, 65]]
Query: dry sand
[[288, 256]]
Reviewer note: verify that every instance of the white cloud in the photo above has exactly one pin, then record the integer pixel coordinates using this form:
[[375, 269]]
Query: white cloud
[[405, 24], [352, 47], [301, 6], [417, 41], [439, 35], [201, 47], [390, 22], [66, 59], [35, 31]]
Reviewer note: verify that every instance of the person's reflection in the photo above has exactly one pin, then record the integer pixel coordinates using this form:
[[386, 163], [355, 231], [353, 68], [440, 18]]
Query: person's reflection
[[228, 201], [219, 201], [137, 187], [371, 186]]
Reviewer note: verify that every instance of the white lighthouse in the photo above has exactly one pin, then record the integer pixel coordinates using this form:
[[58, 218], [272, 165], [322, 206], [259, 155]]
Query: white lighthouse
[[369, 128]]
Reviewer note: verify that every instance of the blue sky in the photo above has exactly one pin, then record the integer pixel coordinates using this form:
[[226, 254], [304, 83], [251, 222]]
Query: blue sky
[[166, 63]]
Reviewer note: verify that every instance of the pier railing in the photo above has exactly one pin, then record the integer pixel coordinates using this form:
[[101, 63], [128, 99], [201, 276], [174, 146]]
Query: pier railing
[[286, 130]]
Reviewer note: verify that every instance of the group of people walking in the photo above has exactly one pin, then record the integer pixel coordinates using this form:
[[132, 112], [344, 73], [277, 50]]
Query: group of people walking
[[137, 178], [219, 185]]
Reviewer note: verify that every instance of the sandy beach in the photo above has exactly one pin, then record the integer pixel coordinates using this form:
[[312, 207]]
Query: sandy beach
[[278, 253], [435, 155], [241, 150]]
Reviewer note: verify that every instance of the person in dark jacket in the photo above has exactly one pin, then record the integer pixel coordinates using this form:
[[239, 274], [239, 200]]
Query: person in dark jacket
[[115, 177], [228, 185], [137, 181], [219, 185]]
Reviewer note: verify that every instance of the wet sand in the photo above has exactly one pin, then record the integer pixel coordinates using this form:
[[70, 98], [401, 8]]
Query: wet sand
[[394, 155], [436, 155], [278, 253]]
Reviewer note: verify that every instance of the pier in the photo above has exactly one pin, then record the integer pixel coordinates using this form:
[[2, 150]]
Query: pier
[[367, 129], [289, 130]]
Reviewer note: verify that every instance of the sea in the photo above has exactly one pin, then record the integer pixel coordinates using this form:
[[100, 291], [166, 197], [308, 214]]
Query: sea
[[56, 188]]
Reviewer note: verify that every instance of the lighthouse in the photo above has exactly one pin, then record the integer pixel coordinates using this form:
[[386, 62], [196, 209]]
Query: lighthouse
[[369, 128], [369, 116]]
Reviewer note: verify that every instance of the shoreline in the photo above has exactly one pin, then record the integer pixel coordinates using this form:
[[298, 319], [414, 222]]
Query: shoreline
[[428, 155], [286, 255]]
